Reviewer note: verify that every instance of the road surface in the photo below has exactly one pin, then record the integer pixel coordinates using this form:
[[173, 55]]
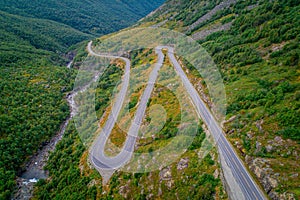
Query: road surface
[[97, 155], [248, 187]]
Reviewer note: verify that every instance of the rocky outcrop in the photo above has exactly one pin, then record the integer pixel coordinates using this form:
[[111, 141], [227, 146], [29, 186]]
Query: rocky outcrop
[[261, 168], [210, 14], [24, 189], [259, 125], [216, 174], [183, 163], [165, 174], [258, 147], [206, 32], [258, 167], [124, 191], [284, 196]]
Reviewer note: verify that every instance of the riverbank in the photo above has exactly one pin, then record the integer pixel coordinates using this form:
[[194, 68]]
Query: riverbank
[[34, 170]]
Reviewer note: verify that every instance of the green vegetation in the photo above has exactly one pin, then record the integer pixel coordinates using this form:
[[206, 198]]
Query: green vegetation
[[262, 51], [40, 33], [195, 10], [259, 61], [72, 178], [68, 180], [35, 41], [194, 182], [105, 88], [31, 112], [92, 17]]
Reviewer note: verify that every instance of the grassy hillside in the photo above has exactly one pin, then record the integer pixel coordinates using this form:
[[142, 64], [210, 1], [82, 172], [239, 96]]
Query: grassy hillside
[[187, 178], [256, 47], [32, 88], [255, 44]]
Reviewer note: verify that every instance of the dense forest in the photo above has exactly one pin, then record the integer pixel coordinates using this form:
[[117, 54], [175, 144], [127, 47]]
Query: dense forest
[[29, 41], [35, 38], [92, 17], [31, 112], [40, 32]]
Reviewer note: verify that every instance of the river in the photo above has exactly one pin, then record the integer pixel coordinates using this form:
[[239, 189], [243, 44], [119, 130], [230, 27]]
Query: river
[[34, 169]]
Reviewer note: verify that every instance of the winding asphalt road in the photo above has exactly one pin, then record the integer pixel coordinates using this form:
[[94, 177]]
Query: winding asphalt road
[[249, 188], [97, 155]]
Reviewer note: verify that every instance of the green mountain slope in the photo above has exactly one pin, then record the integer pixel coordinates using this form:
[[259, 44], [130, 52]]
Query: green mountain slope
[[256, 47], [34, 37], [32, 41], [189, 177], [32, 108], [40, 32], [94, 17], [255, 44]]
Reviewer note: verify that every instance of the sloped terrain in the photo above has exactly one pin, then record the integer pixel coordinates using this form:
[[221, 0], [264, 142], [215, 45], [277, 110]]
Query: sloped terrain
[[34, 39], [256, 47], [194, 175], [96, 17], [255, 44], [40, 32]]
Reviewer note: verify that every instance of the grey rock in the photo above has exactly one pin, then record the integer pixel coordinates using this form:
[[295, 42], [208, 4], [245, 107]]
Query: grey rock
[[150, 196], [269, 148], [277, 175], [265, 175], [248, 159], [183, 163], [287, 196], [259, 125], [273, 195], [123, 191], [278, 140], [273, 182], [258, 147], [250, 135], [165, 174], [159, 191], [294, 175]]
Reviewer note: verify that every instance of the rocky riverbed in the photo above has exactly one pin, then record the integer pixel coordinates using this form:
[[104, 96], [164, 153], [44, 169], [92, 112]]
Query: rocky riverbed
[[34, 169]]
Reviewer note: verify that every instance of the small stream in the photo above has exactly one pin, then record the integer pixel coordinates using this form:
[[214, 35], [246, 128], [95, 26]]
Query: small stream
[[34, 169]]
